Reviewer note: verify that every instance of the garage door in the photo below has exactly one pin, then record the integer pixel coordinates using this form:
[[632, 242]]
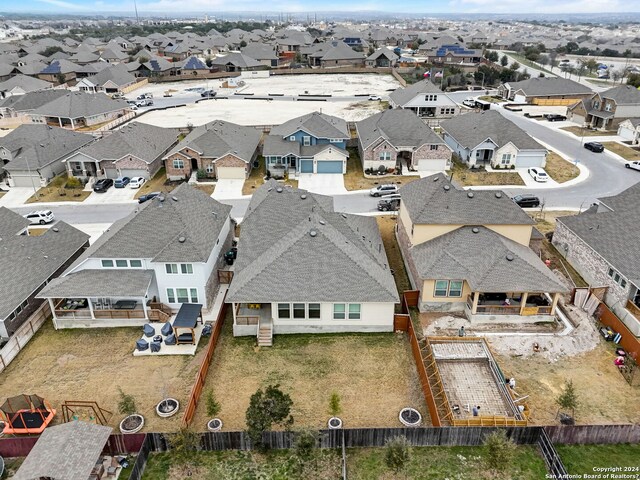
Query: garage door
[[526, 161], [111, 173], [306, 166], [432, 164], [231, 172], [135, 173], [625, 133], [26, 181], [331, 166]]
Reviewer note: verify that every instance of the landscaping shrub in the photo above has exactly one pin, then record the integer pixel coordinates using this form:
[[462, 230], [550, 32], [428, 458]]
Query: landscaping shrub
[[398, 453]]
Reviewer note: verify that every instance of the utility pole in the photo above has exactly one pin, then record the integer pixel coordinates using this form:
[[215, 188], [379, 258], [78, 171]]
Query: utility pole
[[135, 6]]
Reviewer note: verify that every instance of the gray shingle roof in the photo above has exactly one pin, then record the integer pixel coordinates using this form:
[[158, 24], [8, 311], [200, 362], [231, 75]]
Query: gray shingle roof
[[81, 104], [404, 95], [279, 259], [32, 100], [68, 451], [471, 129], [320, 125], [260, 51], [116, 74], [100, 283], [190, 217], [399, 127], [28, 84], [342, 51], [613, 235], [622, 201], [218, 138], [11, 223], [237, 60], [482, 259], [34, 260], [143, 141], [36, 145], [428, 202], [623, 95], [541, 86], [383, 52]]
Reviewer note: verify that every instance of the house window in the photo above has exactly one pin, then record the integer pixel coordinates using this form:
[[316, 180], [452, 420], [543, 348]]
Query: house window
[[306, 141], [442, 286], [292, 138], [314, 310], [122, 263], [384, 156], [455, 288], [611, 272], [194, 295], [135, 263], [623, 283], [171, 268], [209, 168], [338, 311], [182, 295], [299, 310], [354, 311], [608, 107], [433, 147], [170, 296], [177, 163], [506, 159], [284, 310], [107, 263], [186, 268], [335, 140]]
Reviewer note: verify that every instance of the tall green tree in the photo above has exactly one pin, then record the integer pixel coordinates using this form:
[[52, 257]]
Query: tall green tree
[[266, 408]]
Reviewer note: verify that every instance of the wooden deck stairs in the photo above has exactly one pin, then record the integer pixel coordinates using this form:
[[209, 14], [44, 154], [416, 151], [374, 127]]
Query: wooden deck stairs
[[265, 333]]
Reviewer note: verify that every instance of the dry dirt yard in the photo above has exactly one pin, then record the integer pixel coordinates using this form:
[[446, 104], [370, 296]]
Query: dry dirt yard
[[90, 365], [374, 375]]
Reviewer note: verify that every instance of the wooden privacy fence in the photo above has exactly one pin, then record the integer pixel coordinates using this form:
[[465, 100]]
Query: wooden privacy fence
[[628, 340], [201, 376], [23, 334], [583, 434]]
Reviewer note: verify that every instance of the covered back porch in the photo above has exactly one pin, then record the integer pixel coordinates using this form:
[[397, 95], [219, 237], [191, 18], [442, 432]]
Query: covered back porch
[[524, 305], [247, 317]]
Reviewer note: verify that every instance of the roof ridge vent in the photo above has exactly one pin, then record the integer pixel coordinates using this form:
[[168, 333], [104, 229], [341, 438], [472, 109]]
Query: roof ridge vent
[[498, 194], [475, 229], [446, 188], [470, 194], [313, 232], [509, 257], [182, 239], [303, 196], [279, 189]]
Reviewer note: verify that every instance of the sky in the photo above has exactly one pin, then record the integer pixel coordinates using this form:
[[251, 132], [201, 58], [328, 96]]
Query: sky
[[407, 6]]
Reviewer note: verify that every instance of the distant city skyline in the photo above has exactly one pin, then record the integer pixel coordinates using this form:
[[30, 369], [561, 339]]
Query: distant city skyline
[[170, 8]]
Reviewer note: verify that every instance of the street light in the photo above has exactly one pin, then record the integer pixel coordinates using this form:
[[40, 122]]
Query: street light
[[35, 192], [482, 86]]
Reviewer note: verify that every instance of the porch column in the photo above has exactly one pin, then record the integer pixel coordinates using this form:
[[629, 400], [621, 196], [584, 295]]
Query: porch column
[[72, 126], [523, 302], [53, 312], [144, 309], [554, 304], [476, 298], [91, 309], [233, 309], [60, 121]]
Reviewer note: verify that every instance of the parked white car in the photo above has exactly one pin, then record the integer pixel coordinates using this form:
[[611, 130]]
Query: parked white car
[[374, 98], [635, 165], [381, 190], [538, 174], [136, 182], [40, 217], [469, 102]]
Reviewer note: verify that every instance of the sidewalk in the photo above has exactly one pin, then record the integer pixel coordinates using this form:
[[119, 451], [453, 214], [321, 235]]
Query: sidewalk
[[212, 314], [16, 197]]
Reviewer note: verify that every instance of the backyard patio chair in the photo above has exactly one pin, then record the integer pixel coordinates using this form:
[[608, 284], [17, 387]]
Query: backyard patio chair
[[167, 329], [148, 330], [206, 330], [170, 339], [155, 346], [142, 345]]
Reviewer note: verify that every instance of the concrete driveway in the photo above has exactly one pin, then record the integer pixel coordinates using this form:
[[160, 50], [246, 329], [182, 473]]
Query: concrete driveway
[[16, 196], [324, 183], [113, 195], [227, 189]]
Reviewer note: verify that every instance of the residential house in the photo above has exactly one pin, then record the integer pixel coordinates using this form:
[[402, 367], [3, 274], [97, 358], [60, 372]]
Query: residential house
[[265, 54], [602, 245], [155, 67], [336, 54], [454, 55], [398, 139], [469, 252], [218, 149], [21, 84], [488, 138], [31, 155], [545, 91], [19, 106], [193, 66], [33, 262], [629, 130], [606, 110], [381, 58], [134, 150], [80, 109], [58, 72], [312, 143], [175, 264], [113, 56], [236, 62], [426, 100], [110, 80], [304, 268]]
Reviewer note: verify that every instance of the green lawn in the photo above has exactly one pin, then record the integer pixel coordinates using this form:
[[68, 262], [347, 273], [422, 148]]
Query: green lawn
[[582, 459], [438, 463]]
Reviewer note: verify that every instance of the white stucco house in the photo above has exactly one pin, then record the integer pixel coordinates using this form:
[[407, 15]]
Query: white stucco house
[[303, 268], [128, 275], [630, 130], [486, 137]]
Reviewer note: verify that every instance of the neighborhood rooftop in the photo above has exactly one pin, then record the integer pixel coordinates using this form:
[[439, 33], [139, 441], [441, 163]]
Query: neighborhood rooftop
[[317, 124], [400, 127], [80, 104]]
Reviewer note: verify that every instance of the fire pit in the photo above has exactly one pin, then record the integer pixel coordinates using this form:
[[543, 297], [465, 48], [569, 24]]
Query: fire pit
[[167, 407], [214, 425], [132, 423], [410, 417]]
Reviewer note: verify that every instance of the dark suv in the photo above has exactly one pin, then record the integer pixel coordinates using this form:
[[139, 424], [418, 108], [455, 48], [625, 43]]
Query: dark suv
[[596, 147], [553, 117], [389, 204], [527, 201], [103, 185]]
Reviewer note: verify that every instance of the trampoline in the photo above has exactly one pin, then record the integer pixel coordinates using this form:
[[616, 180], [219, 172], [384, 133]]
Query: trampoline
[[26, 414]]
